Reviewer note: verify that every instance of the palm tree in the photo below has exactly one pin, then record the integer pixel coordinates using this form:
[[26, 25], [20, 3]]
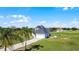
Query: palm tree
[[30, 32], [26, 34], [8, 37]]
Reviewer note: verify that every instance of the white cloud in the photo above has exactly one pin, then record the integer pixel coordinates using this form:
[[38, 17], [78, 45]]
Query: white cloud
[[68, 8], [43, 22], [72, 23], [12, 22], [4, 23], [17, 20], [72, 7], [75, 23], [2, 17], [20, 19], [65, 8], [14, 16], [57, 24]]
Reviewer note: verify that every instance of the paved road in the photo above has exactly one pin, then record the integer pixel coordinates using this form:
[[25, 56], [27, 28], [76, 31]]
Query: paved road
[[16, 46]]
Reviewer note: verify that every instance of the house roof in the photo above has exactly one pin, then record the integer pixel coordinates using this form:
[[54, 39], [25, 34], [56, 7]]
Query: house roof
[[41, 29]]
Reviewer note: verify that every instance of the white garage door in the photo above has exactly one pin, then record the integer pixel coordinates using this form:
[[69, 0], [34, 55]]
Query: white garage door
[[40, 35]]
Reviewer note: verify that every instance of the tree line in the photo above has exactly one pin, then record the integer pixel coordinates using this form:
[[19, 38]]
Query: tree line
[[55, 29]]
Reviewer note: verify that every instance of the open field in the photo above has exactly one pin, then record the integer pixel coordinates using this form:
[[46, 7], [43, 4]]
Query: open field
[[59, 41]]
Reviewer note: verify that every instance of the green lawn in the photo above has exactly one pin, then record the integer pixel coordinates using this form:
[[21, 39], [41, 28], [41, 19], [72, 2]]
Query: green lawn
[[65, 41]]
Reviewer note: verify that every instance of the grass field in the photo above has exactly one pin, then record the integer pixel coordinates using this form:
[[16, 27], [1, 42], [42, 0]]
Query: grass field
[[59, 41]]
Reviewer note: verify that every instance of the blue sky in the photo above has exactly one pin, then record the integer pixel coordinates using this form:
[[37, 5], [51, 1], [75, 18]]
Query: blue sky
[[33, 16]]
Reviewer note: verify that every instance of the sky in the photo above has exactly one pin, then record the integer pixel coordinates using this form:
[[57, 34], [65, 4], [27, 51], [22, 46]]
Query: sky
[[33, 16]]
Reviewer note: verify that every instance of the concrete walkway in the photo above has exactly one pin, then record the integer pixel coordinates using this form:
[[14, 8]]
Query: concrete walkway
[[19, 45]]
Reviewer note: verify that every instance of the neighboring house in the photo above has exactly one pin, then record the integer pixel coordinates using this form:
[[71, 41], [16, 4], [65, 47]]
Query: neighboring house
[[59, 30], [41, 32]]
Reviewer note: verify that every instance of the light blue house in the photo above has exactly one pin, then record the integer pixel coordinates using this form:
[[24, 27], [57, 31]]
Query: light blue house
[[41, 32]]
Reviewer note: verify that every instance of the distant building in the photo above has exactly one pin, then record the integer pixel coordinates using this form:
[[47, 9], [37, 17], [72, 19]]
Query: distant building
[[59, 30], [41, 32]]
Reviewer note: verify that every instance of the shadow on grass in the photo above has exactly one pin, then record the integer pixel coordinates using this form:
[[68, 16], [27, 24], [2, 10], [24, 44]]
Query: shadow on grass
[[36, 47]]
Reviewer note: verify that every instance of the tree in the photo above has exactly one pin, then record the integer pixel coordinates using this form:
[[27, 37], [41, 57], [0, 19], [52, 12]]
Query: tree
[[73, 28], [7, 38], [27, 35]]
